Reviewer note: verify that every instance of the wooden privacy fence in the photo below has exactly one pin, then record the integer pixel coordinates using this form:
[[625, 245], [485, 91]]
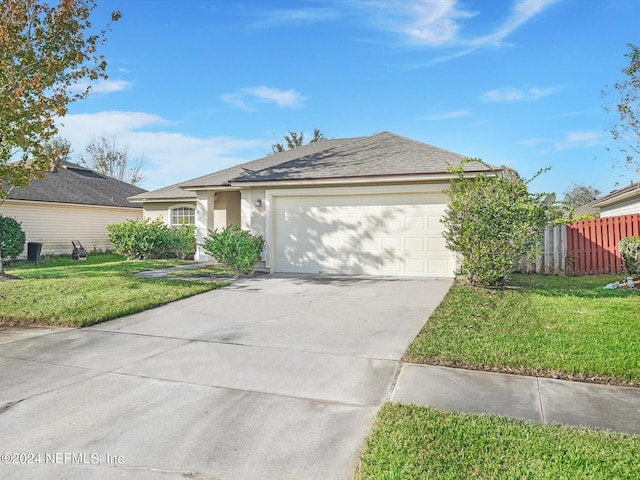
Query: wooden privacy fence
[[588, 247], [552, 252], [592, 245]]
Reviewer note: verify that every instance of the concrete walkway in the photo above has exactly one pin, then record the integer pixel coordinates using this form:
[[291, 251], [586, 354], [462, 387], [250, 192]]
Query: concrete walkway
[[528, 398]]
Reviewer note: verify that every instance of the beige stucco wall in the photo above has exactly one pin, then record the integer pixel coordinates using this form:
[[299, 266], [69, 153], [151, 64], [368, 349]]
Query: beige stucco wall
[[153, 210], [55, 225]]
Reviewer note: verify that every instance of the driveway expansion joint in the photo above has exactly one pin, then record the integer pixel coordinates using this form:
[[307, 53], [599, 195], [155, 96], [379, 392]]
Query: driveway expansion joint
[[394, 380], [540, 400]]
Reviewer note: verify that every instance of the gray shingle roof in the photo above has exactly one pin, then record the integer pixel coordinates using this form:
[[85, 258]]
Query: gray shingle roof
[[382, 155], [627, 192], [223, 177], [71, 183]]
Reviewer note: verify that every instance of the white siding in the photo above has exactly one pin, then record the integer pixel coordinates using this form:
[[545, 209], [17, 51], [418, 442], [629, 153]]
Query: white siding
[[624, 208], [55, 225]]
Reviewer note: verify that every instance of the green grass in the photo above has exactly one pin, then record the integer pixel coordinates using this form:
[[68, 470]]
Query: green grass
[[76, 293], [410, 442], [564, 327]]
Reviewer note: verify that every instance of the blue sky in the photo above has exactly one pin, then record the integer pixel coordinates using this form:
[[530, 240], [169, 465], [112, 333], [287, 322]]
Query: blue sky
[[199, 85]]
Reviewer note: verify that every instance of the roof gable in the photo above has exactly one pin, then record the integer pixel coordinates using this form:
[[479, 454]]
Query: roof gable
[[72, 183]]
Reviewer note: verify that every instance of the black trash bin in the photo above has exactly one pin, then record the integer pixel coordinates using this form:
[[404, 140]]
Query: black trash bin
[[33, 251]]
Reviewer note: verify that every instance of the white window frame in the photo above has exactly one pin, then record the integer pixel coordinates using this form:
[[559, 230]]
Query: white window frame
[[173, 208]]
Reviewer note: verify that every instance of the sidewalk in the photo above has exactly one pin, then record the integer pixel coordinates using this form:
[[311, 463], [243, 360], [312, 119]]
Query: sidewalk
[[164, 272], [542, 400]]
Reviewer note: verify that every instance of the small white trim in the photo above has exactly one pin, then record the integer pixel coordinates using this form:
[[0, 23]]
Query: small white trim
[[400, 180], [38, 202]]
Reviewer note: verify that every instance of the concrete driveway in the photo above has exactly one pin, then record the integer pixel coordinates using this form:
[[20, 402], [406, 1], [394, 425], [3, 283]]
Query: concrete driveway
[[270, 378]]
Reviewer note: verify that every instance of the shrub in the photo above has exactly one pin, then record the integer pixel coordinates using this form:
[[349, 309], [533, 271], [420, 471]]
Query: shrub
[[630, 251], [12, 238], [182, 241], [492, 222], [235, 248], [140, 239]]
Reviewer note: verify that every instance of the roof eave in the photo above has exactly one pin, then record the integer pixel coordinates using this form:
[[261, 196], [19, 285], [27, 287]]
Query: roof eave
[[195, 188], [618, 198], [357, 180]]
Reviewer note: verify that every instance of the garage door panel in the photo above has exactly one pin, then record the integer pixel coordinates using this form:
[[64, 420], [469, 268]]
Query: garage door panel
[[414, 244], [388, 234]]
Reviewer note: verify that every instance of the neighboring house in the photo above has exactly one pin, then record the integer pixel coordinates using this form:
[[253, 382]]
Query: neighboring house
[[366, 205], [623, 201], [586, 209], [71, 203]]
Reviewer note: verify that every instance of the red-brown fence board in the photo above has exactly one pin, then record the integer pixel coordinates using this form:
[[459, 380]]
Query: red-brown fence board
[[592, 245]]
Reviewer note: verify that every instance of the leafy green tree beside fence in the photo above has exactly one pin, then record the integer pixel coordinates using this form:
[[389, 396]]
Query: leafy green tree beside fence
[[492, 222]]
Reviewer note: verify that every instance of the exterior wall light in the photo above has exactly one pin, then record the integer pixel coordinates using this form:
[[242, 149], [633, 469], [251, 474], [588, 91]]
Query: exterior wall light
[[258, 203]]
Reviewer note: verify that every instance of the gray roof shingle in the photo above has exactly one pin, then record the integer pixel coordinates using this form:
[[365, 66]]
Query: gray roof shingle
[[381, 155], [71, 183]]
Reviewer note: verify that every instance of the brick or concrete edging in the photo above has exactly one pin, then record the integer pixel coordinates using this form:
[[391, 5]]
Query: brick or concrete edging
[[529, 398]]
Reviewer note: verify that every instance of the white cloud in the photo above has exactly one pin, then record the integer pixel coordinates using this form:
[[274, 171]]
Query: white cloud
[[421, 22], [532, 142], [428, 22], [510, 94], [447, 115], [170, 157], [579, 140], [440, 23], [103, 86], [237, 100], [521, 12], [282, 98], [247, 97], [287, 17]]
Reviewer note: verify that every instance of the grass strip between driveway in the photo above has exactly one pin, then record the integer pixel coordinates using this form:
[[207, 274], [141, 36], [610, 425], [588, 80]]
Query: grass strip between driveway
[[559, 327], [66, 292], [410, 442]]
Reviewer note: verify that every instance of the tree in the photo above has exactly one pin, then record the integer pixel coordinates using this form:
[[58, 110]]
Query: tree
[[579, 195], [105, 156], [492, 221], [12, 239], [626, 127], [294, 139], [45, 52]]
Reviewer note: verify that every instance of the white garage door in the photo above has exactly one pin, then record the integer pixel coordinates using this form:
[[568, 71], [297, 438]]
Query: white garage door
[[381, 234]]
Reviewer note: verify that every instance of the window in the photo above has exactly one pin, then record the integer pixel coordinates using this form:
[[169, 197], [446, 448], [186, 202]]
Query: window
[[183, 216]]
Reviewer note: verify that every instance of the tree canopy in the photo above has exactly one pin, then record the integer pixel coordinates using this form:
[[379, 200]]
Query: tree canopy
[[48, 57], [625, 129], [579, 195], [104, 155], [295, 139], [492, 222]]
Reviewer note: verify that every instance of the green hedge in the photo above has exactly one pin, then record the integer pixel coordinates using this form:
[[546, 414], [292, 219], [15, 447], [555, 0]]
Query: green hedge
[[235, 248], [630, 251], [12, 238], [142, 239]]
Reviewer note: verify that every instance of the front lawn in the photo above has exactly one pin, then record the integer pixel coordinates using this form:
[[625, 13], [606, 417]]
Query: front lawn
[[410, 442], [76, 293], [564, 327]]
